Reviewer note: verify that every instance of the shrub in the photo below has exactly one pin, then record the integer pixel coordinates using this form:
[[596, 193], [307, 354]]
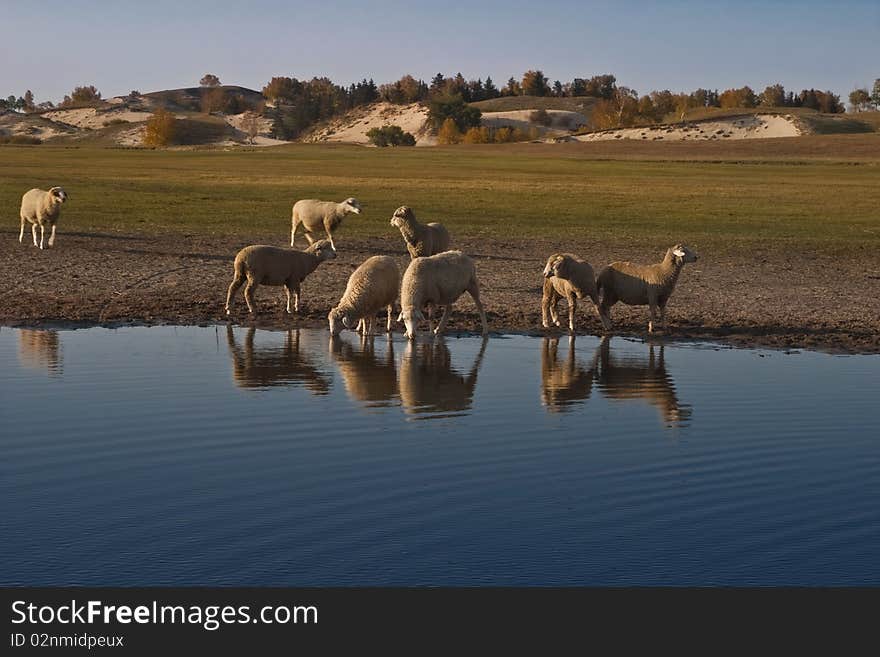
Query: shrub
[[161, 129], [541, 117], [453, 107], [449, 132], [115, 122], [477, 136], [390, 135], [20, 139]]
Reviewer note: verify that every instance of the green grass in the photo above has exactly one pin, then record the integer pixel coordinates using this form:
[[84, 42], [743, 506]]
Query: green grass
[[495, 191]]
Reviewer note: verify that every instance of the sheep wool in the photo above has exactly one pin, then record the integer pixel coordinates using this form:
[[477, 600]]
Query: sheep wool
[[372, 286], [566, 277], [315, 215], [41, 208], [421, 239]]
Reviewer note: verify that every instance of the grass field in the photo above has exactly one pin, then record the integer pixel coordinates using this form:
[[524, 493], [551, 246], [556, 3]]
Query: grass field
[[804, 190]]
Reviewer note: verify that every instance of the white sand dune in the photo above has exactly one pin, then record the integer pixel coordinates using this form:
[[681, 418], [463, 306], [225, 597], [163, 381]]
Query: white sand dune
[[751, 126], [353, 127], [89, 117], [561, 121]]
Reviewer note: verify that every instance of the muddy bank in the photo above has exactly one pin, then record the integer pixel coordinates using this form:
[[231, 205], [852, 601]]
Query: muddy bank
[[778, 297]]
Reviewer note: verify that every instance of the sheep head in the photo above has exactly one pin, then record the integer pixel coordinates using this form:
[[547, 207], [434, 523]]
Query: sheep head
[[58, 194], [402, 215], [683, 254], [351, 205], [323, 250], [557, 265], [337, 320], [411, 318]]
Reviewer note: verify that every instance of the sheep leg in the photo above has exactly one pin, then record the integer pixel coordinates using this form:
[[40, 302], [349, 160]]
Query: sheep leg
[[287, 290], [368, 325], [52, 236], [293, 232], [545, 307], [21, 234], [34, 233], [296, 294], [474, 291], [42, 234], [572, 307], [309, 238], [653, 306], [233, 288], [388, 325], [249, 294], [663, 317], [605, 310], [447, 310]]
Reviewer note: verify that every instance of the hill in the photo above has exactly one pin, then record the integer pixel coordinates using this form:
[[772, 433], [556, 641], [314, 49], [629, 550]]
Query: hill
[[580, 104]]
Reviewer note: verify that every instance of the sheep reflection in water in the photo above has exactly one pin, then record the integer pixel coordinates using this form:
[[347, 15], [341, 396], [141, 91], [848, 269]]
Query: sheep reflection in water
[[274, 365], [369, 378], [564, 383], [631, 377], [40, 349], [430, 386]]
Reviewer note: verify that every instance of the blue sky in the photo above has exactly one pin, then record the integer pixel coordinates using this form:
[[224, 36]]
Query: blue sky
[[50, 46]]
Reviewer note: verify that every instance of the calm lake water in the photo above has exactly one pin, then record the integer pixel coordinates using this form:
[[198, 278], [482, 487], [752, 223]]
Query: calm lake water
[[215, 456]]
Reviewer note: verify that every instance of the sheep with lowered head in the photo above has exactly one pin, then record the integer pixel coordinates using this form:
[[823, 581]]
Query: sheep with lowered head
[[371, 287], [317, 215], [642, 285], [566, 277], [438, 280], [41, 208], [273, 265], [421, 239]]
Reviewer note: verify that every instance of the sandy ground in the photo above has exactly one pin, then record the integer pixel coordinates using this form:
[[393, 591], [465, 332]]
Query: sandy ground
[[769, 299], [32, 125], [562, 121], [758, 126], [89, 117], [354, 126]]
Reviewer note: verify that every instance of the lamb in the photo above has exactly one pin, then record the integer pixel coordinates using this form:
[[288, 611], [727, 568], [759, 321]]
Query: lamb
[[272, 265], [566, 276], [372, 286], [640, 285], [421, 239], [315, 215], [41, 208], [438, 280]]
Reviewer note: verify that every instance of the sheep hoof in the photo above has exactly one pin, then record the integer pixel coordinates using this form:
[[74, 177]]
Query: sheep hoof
[[545, 325], [556, 322]]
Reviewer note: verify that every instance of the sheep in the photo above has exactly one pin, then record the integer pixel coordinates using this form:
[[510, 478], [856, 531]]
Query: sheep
[[421, 239], [438, 280], [315, 215], [41, 208], [272, 265], [640, 285], [372, 286], [566, 276]]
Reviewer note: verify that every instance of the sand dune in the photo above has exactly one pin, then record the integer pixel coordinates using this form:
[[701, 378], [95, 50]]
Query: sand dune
[[89, 117], [561, 121], [353, 127], [751, 126]]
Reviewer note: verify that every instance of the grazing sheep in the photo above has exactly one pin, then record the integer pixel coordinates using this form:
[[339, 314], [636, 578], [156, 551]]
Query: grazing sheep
[[41, 208], [640, 285], [421, 239], [272, 265], [568, 277], [438, 280], [315, 215], [372, 286]]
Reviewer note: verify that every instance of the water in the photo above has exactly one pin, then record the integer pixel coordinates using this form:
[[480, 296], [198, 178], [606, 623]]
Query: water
[[207, 456]]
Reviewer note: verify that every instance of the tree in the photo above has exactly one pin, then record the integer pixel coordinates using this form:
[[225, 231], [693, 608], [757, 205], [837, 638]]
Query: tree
[[875, 92], [743, 97], [250, 125], [534, 83], [477, 136], [82, 95], [438, 83], [449, 132], [453, 107], [390, 135], [601, 86], [160, 129], [29, 105], [491, 91], [213, 99], [282, 88], [578, 87], [773, 96], [647, 111], [558, 89], [512, 88], [209, 80], [860, 99]]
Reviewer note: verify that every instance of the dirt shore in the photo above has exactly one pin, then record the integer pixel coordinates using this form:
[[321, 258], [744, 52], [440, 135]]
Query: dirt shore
[[794, 298]]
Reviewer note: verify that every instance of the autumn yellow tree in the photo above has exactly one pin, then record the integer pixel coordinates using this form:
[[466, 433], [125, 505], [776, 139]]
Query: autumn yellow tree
[[160, 129], [448, 132]]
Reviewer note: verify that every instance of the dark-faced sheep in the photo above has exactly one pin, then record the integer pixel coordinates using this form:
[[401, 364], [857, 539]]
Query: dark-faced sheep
[[642, 285]]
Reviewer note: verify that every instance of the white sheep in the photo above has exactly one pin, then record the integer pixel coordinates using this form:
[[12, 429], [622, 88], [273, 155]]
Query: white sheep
[[372, 286], [40, 208], [566, 277], [438, 280], [273, 265], [316, 215], [421, 239], [640, 285]]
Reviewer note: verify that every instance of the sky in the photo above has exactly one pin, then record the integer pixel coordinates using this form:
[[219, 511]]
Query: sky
[[119, 45]]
